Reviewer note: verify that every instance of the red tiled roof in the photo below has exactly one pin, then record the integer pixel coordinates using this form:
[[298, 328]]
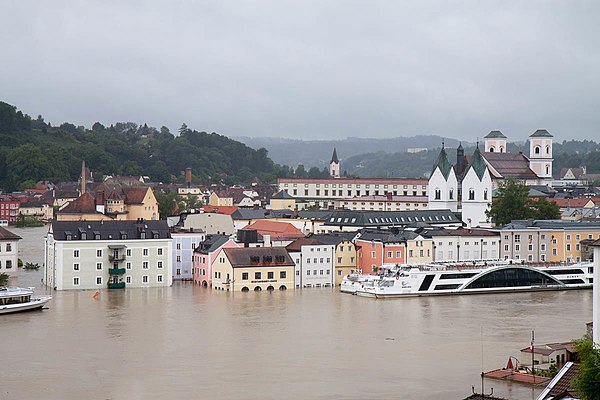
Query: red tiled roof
[[227, 210], [135, 195], [84, 204], [277, 230], [577, 202], [510, 165]]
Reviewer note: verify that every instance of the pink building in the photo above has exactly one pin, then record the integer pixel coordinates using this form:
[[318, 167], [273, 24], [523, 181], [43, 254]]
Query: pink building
[[205, 254], [376, 248]]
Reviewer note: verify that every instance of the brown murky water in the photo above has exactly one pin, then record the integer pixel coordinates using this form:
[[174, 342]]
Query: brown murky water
[[188, 342]]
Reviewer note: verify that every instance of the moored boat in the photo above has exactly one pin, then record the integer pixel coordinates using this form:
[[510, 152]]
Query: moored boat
[[20, 299], [455, 278]]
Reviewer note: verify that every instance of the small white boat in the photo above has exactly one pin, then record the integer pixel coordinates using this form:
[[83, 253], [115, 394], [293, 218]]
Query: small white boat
[[20, 299]]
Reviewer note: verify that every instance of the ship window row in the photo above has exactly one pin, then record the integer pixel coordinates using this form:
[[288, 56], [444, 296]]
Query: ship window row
[[446, 287], [512, 277], [458, 276]]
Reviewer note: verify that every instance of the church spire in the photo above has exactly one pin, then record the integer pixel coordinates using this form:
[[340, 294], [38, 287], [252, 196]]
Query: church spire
[[334, 157]]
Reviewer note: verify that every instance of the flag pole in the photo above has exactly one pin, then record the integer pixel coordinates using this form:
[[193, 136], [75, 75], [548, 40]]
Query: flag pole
[[532, 347]]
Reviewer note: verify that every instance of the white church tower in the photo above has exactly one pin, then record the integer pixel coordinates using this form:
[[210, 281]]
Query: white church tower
[[476, 192], [442, 187], [495, 142], [540, 154], [334, 165]]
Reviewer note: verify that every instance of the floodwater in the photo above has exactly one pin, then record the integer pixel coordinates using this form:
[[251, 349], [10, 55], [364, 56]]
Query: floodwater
[[187, 342]]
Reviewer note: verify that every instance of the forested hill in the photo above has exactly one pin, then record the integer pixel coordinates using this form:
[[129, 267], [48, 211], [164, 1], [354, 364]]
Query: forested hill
[[32, 150]]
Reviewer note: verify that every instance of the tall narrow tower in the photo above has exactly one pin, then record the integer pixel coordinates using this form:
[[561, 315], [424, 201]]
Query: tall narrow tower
[[83, 177], [334, 165], [495, 142], [540, 154]]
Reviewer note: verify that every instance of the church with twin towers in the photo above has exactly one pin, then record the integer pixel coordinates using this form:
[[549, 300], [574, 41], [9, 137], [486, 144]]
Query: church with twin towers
[[467, 185]]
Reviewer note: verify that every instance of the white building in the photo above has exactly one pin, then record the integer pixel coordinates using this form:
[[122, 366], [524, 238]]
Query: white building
[[467, 186], [108, 254], [182, 252], [315, 263], [463, 244], [9, 251]]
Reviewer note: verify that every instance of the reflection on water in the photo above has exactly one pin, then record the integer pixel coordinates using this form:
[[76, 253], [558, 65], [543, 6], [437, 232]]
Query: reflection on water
[[187, 342]]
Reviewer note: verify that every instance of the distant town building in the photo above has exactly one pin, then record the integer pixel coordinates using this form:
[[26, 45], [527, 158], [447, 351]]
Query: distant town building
[[205, 255], [183, 245], [9, 209], [314, 262]]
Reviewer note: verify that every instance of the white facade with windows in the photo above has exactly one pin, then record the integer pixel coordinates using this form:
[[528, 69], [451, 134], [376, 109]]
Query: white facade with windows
[[9, 251], [183, 245], [107, 254], [317, 266]]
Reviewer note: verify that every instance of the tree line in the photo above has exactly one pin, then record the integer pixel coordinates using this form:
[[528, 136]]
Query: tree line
[[32, 150]]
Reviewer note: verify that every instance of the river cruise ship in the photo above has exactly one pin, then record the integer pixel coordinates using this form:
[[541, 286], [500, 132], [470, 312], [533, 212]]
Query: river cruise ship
[[475, 277], [20, 299]]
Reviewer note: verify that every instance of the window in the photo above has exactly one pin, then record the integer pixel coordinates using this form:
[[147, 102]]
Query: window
[[554, 252], [372, 254], [159, 251], [410, 253], [76, 281], [517, 238], [270, 275], [178, 246], [530, 247], [314, 271], [99, 253], [244, 276], [517, 247], [568, 247], [159, 264], [471, 194], [99, 266], [145, 252], [389, 254], [307, 272], [257, 275], [128, 252], [179, 259], [282, 274], [75, 253], [339, 260], [543, 247], [321, 272], [128, 265], [145, 265], [159, 278], [485, 192], [438, 194], [451, 194], [127, 279], [76, 267], [505, 247], [98, 280], [339, 272], [144, 278]]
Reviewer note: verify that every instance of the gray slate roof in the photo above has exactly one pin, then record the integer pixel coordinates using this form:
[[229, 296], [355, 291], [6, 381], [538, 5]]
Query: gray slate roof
[[552, 224], [110, 230], [5, 234], [390, 218], [495, 135], [541, 133], [211, 244]]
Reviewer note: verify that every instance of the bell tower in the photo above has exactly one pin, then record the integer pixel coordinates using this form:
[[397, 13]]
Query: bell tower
[[540, 154], [334, 165]]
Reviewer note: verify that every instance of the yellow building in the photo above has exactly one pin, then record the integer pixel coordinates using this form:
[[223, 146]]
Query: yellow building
[[419, 250], [346, 253], [116, 203], [216, 199], [253, 269], [282, 201]]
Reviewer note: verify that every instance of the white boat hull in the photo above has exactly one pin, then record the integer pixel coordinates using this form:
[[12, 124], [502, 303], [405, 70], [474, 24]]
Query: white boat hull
[[30, 305]]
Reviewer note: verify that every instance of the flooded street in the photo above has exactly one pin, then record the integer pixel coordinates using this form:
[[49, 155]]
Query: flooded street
[[189, 342]]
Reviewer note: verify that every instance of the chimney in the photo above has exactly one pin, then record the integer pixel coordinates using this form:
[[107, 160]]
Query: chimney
[[267, 241], [188, 177], [83, 177]]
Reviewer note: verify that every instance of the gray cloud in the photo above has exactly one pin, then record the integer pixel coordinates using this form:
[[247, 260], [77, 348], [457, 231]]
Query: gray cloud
[[308, 69]]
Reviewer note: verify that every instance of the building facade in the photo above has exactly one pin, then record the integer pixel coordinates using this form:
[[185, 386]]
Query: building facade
[[183, 245], [314, 263], [9, 209], [9, 251], [107, 254], [205, 254], [253, 269]]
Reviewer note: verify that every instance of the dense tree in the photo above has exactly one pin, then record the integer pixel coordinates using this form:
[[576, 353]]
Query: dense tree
[[587, 381], [4, 277], [511, 202], [34, 150]]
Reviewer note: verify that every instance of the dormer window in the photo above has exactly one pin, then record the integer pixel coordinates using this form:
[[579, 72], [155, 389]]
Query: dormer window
[[83, 235], [143, 235]]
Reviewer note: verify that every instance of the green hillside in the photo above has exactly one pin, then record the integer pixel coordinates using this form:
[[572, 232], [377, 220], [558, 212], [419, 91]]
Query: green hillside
[[32, 150]]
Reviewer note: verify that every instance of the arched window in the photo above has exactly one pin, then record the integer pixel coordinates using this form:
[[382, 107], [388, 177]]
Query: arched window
[[491, 149], [547, 149], [485, 194], [270, 288], [536, 150], [451, 194], [245, 289], [282, 287], [501, 149], [513, 277], [471, 194], [438, 194], [257, 289], [547, 170]]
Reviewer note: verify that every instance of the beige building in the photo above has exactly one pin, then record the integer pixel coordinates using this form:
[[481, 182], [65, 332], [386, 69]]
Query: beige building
[[419, 250], [253, 269], [345, 253], [282, 201], [220, 199]]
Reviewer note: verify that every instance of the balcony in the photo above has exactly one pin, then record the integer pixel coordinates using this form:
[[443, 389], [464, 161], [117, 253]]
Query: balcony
[[116, 257], [116, 271], [117, 285]]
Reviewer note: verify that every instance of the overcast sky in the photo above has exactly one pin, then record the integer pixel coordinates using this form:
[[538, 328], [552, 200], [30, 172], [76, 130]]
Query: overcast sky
[[308, 69]]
